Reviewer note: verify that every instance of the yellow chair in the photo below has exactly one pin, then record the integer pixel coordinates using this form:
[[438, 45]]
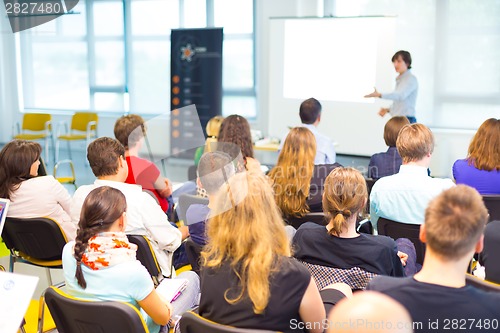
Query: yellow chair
[[69, 179], [83, 127], [36, 126]]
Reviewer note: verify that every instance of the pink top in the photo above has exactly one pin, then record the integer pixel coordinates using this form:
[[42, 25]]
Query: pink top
[[43, 197]]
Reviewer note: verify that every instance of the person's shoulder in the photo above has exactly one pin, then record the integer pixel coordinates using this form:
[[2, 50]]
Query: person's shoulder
[[310, 226], [383, 182], [291, 266], [49, 179], [382, 240], [444, 183], [388, 283]]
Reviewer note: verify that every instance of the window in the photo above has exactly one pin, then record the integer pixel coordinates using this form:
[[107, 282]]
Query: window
[[114, 55]]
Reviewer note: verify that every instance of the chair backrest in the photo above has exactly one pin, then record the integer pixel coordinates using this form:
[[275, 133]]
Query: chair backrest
[[193, 251], [35, 121], [397, 230], [492, 203], [186, 200], [42, 168], [194, 323], [80, 120], [74, 315], [40, 238], [146, 256], [296, 222], [355, 277], [474, 281], [192, 172]]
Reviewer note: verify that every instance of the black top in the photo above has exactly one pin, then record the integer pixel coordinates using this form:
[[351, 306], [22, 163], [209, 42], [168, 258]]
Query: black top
[[288, 285], [490, 257], [443, 309], [320, 172], [374, 254]]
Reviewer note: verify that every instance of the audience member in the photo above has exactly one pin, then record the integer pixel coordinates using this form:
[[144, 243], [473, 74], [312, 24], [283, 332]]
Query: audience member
[[297, 182], [130, 130], [369, 312], [235, 129], [481, 168], [248, 279], [212, 129], [437, 297], [145, 217], [310, 116], [32, 196], [101, 264], [339, 245], [214, 169], [388, 163], [489, 258], [404, 196]]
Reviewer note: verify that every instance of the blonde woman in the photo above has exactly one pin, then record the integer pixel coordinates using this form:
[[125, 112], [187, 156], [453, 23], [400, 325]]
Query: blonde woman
[[248, 278], [297, 182], [339, 245], [212, 128]]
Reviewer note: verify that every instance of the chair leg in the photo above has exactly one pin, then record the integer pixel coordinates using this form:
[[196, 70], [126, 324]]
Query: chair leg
[[41, 312], [69, 150], [11, 264], [56, 152], [21, 328], [49, 277]]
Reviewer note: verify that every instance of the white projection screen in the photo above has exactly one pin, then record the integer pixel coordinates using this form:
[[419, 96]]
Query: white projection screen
[[337, 61]]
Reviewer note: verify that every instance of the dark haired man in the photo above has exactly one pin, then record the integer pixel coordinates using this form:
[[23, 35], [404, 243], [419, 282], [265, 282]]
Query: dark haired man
[[405, 94]]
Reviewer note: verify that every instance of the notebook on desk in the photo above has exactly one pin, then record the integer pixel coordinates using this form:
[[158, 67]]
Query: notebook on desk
[[171, 289]]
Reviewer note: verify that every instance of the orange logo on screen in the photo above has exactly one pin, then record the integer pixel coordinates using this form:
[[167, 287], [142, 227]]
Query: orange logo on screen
[[187, 53], [176, 78], [175, 90], [176, 101]]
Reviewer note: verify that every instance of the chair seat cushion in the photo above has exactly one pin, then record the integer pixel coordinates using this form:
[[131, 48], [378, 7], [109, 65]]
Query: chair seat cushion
[[71, 137], [30, 136]]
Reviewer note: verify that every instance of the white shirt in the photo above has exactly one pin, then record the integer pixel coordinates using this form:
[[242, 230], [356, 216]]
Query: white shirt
[[325, 152], [43, 197], [403, 197], [144, 217], [404, 96]]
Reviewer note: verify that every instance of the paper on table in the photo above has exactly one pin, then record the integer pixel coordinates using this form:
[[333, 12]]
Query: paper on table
[[15, 296], [170, 289]]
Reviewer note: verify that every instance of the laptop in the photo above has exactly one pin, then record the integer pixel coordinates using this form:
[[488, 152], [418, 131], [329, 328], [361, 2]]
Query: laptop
[[4, 207]]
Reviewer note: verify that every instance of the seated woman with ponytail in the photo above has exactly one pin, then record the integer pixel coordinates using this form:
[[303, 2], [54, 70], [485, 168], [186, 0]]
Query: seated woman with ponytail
[[339, 245], [101, 264]]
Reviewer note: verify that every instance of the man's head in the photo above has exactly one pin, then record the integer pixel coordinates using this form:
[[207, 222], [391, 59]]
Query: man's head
[[401, 61], [310, 111], [454, 223], [106, 158], [369, 312], [214, 169], [415, 143], [129, 130]]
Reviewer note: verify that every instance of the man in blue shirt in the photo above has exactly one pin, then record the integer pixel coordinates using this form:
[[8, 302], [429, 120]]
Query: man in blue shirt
[[404, 196], [405, 94], [310, 116]]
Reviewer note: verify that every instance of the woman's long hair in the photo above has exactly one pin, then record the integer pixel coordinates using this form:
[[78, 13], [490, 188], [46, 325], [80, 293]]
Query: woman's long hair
[[236, 129], [345, 194], [101, 208], [16, 159], [213, 128], [484, 151], [293, 172], [246, 231]]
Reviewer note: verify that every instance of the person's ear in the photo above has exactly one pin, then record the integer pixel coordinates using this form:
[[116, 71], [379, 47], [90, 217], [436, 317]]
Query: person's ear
[[422, 235], [479, 245], [198, 182]]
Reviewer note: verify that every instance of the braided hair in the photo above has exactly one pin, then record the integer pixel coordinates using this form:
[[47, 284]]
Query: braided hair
[[102, 207]]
